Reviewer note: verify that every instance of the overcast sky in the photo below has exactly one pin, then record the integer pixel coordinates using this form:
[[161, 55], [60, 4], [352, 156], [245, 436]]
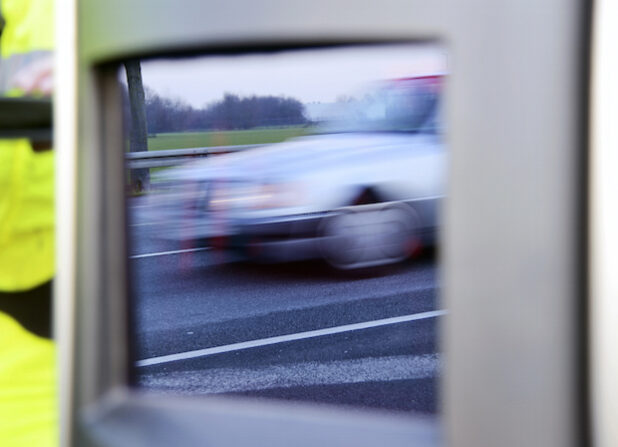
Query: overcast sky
[[308, 75]]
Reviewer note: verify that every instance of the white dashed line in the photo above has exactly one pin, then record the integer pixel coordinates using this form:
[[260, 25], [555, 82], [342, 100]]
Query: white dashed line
[[285, 338], [172, 252]]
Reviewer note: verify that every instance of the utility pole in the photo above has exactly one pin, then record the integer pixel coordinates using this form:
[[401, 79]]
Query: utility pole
[[140, 178]]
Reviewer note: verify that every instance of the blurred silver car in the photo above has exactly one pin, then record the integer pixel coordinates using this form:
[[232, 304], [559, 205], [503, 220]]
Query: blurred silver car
[[363, 192]]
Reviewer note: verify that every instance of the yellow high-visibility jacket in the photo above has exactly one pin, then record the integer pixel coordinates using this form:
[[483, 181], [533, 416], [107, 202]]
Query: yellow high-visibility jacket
[[26, 177], [28, 413]]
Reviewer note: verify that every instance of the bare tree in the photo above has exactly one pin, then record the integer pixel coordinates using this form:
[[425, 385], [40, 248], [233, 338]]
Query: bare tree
[[140, 178]]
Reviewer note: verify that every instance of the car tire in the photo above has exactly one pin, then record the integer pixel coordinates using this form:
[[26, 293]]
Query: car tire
[[363, 236]]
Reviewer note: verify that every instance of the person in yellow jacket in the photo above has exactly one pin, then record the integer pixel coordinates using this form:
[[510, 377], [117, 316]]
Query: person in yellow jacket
[[28, 414]]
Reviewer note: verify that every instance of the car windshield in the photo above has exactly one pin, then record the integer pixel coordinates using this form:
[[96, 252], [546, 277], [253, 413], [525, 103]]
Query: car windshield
[[407, 105]]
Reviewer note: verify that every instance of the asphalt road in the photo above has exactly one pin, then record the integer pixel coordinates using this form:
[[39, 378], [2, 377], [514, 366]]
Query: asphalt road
[[207, 323]]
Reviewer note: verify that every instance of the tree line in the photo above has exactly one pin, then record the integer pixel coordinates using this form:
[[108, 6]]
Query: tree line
[[229, 113]]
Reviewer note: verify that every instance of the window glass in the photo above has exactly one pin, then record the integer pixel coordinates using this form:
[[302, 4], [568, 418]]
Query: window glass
[[283, 222]]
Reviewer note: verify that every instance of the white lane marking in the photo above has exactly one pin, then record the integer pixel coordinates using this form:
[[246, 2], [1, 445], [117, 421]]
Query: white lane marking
[[172, 252], [225, 380], [146, 224], [285, 338]]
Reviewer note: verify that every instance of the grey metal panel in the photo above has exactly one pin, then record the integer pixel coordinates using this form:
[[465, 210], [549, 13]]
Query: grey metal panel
[[116, 28], [138, 419], [101, 303], [511, 268]]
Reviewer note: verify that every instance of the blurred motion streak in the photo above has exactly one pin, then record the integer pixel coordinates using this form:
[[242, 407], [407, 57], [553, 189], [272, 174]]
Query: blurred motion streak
[[362, 191]]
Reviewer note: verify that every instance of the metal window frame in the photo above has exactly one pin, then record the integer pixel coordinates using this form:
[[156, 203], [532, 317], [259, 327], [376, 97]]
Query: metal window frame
[[602, 224], [514, 248]]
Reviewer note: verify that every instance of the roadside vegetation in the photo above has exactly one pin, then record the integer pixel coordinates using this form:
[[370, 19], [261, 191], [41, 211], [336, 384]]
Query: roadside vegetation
[[181, 140], [231, 121]]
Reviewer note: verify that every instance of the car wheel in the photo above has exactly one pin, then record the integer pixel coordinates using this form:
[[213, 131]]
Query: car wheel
[[369, 235]]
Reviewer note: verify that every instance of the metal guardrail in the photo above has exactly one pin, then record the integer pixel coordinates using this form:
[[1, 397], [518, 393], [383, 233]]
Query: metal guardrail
[[173, 157]]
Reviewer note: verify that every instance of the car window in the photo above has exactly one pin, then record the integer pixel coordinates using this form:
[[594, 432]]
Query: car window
[[398, 105]]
